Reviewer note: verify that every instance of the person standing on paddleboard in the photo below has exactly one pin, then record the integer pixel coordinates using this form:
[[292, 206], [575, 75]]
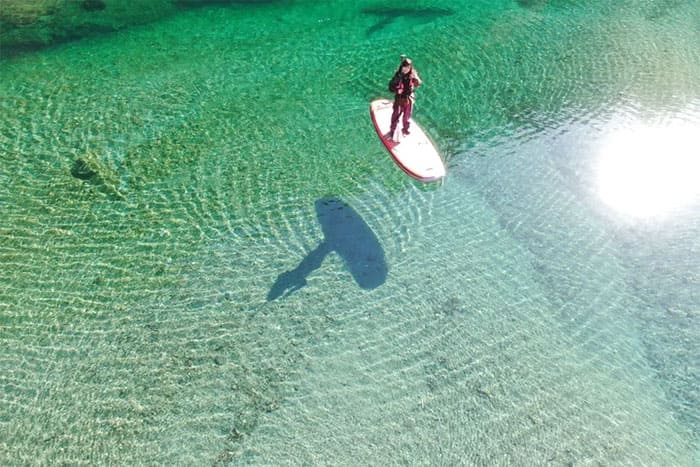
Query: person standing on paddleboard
[[402, 85]]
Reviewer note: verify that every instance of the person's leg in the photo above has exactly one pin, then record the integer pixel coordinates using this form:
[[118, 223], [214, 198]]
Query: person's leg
[[407, 111], [395, 117]]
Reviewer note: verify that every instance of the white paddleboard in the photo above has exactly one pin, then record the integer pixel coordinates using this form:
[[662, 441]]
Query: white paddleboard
[[414, 153]]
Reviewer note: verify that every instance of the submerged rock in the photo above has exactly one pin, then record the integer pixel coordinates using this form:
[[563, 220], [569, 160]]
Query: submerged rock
[[81, 169], [92, 170]]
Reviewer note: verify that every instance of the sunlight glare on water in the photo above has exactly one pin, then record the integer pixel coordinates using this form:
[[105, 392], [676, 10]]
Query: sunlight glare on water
[[647, 171]]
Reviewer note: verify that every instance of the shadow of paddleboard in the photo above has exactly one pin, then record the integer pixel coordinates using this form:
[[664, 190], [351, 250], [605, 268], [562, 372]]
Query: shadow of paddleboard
[[348, 235]]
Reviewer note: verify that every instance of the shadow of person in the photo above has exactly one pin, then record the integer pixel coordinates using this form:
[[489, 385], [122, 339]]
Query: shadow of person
[[291, 281], [348, 235], [387, 15]]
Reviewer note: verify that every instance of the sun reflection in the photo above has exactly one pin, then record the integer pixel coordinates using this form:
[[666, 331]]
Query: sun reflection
[[647, 171]]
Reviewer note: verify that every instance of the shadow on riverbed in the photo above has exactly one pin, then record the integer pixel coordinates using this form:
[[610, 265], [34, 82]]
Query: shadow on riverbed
[[218, 2], [346, 234], [387, 15]]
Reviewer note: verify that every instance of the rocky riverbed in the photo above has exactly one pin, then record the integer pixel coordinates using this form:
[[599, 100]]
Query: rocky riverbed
[[32, 24]]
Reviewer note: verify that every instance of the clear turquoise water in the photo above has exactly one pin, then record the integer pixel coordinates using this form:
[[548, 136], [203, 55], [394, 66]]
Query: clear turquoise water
[[199, 299]]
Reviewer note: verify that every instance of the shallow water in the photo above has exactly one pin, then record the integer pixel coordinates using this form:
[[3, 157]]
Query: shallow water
[[237, 272]]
